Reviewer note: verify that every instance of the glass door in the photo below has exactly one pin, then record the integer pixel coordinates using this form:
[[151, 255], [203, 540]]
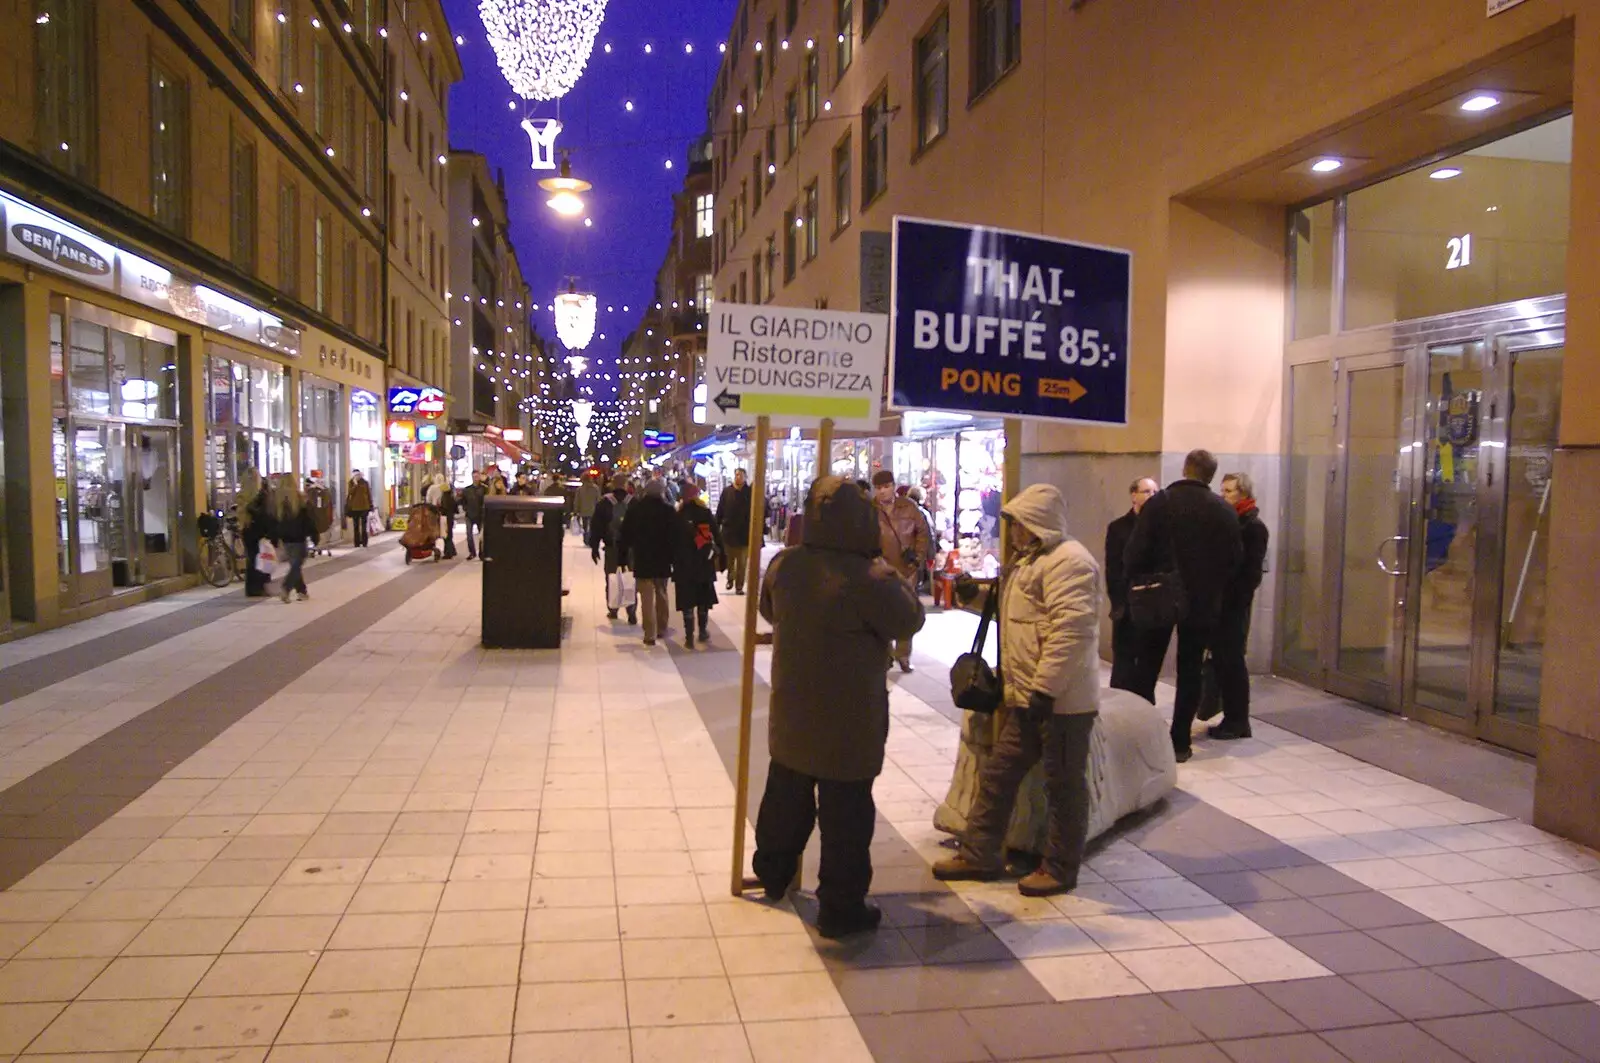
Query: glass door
[[1526, 426], [96, 508], [1371, 485], [153, 489]]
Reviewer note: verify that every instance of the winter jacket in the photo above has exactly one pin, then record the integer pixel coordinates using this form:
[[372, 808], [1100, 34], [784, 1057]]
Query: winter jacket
[[358, 499], [733, 515], [298, 527], [694, 568], [472, 497], [1050, 611], [835, 610], [901, 528], [649, 536], [586, 498], [448, 506], [1253, 535], [1118, 532], [606, 526], [1188, 518]]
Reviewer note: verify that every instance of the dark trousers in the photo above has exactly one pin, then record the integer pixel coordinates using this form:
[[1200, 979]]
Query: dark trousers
[[449, 535], [689, 617], [1126, 642], [844, 811], [1229, 643], [1026, 737], [358, 523], [255, 580], [1193, 641], [472, 542], [295, 579]]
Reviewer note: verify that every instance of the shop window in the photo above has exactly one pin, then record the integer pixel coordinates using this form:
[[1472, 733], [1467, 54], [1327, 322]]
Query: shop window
[[88, 379], [242, 23], [1485, 227], [844, 27], [841, 184], [169, 149], [996, 41], [64, 72], [933, 82], [875, 149], [242, 202], [1311, 270]]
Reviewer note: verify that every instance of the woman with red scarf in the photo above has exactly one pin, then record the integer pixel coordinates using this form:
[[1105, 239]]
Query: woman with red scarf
[[1232, 636]]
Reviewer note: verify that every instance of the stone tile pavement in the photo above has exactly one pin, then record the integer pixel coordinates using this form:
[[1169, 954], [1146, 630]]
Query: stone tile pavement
[[341, 830]]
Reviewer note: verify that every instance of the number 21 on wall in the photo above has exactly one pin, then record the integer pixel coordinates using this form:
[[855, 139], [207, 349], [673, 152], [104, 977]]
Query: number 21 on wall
[[1460, 248]]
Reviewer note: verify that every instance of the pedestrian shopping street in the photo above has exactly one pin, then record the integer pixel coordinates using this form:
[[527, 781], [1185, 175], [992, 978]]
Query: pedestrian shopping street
[[342, 830]]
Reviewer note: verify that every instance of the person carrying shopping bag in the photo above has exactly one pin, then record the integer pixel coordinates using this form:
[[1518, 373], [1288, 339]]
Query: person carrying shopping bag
[[295, 530]]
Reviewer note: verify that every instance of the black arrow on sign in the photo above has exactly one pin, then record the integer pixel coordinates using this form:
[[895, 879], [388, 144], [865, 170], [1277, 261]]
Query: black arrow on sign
[[725, 401]]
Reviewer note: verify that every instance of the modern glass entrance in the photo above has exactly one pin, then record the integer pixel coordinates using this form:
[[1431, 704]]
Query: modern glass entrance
[[1418, 509]]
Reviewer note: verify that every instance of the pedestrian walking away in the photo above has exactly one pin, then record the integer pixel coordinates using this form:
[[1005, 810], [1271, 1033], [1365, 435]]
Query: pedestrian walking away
[[448, 508], [1125, 635], [357, 506], [1049, 613], [733, 519], [649, 540], [903, 539], [694, 570], [835, 610], [255, 524], [604, 531], [295, 530], [472, 497], [1188, 530], [1230, 643], [584, 501]]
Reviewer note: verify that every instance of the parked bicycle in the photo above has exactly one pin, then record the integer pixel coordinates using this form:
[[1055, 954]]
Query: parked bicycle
[[221, 551]]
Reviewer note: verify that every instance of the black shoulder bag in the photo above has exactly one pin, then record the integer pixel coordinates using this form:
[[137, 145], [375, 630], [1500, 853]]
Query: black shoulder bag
[[1159, 600], [973, 684]]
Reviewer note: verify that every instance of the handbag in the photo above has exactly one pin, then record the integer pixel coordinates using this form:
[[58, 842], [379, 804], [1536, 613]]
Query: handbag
[[973, 684], [1159, 600]]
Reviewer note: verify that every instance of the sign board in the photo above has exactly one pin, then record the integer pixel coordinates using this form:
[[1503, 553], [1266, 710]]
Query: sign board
[[1006, 324], [796, 366], [1497, 6], [877, 278], [423, 402]]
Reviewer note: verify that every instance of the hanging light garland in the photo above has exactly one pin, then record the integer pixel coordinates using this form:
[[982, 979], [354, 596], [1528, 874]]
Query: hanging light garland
[[542, 45], [575, 316]]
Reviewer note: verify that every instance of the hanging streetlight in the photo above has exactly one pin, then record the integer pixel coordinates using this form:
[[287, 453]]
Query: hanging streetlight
[[564, 189]]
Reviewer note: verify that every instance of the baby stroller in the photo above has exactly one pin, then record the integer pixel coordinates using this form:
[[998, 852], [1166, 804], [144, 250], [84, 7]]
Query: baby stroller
[[421, 537]]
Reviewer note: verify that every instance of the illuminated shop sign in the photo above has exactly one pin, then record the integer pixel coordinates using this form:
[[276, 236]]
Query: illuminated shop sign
[[40, 238], [422, 402], [402, 431]]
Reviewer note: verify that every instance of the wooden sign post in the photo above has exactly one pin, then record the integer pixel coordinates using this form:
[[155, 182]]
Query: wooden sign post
[[747, 664]]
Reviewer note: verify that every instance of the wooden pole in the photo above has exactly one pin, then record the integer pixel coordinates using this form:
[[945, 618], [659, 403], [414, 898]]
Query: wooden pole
[[825, 448], [1013, 476], [747, 671]]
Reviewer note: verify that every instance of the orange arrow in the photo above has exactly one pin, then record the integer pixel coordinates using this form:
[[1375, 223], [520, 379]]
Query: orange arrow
[[1068, 389]]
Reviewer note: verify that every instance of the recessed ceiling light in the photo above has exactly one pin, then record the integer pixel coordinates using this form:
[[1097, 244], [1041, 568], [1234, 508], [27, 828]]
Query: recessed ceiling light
[[1326, 165], [1480, 102], [1445, 173]]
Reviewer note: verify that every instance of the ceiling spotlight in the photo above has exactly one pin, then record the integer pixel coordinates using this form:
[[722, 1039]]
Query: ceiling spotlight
[[1483, 101], [1445, 173], [1326, 165]]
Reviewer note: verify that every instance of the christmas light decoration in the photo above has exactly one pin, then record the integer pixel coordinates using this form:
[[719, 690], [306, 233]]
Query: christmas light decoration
[[575, 314], [542, 133], [565, 200], [542, 45]]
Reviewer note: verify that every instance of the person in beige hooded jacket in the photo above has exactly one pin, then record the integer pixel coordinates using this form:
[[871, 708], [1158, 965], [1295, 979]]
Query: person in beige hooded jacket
[[1049, 662]]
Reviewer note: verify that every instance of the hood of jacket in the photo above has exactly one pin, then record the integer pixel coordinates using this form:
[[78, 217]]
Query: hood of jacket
[[1041, 509], [840, 517]]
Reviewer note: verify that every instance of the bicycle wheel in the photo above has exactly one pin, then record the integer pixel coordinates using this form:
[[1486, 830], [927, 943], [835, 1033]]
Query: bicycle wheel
[[216, 563]]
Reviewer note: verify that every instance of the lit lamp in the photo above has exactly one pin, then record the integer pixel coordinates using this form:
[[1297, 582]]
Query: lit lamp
[[575, 318], [564, 189]]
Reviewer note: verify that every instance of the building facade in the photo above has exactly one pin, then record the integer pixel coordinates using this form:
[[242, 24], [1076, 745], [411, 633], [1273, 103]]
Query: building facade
[[496, 360], [1366, 272], [423, 64], [190, 286]]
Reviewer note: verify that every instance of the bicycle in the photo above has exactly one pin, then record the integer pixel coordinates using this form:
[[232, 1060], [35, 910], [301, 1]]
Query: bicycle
[[219, 560]]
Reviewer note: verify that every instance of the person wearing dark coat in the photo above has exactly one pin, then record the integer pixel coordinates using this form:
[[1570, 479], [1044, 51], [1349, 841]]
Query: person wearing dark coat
[[1232, 639], [472, 497], [649, 539], [295, 529], [1124, 633], [1186, 528], [694, 569], [448, 508], [835, 610], [254, 513], [605, 526], [733, 519]]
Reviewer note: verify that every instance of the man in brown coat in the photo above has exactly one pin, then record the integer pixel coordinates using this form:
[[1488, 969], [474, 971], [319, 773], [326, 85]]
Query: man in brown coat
[[903, 538], [834, 610]]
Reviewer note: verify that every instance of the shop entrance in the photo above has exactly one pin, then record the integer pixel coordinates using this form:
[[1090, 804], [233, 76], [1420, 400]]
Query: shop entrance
[[1432, 457]]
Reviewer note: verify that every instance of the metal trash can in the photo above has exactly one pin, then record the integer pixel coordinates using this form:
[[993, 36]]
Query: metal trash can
[[522, 572]]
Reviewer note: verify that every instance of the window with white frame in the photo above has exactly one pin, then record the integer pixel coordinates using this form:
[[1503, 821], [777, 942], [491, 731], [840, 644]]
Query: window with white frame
[[704, 207]]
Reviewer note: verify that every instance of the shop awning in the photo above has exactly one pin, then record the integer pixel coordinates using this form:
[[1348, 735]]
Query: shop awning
[[510, 450]]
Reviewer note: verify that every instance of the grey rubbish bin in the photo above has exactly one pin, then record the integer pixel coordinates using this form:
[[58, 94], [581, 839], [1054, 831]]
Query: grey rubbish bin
[[522, 572]]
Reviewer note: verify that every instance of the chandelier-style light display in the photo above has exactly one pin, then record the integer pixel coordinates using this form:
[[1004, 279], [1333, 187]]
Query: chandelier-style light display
[[575, 314], [582, 411], [542, 45], [542, 133]]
